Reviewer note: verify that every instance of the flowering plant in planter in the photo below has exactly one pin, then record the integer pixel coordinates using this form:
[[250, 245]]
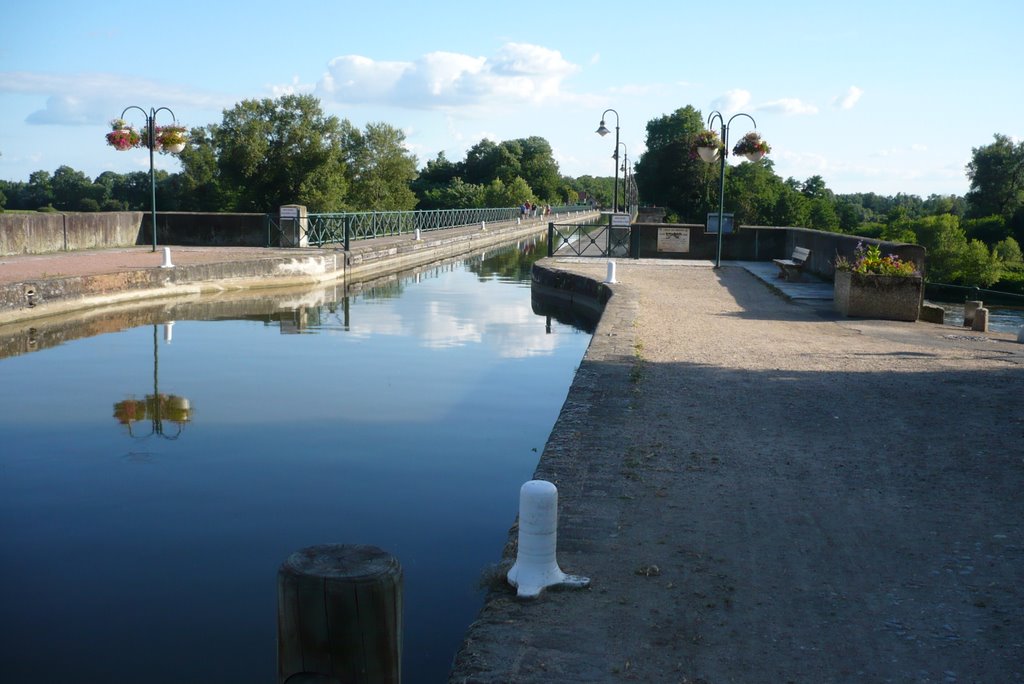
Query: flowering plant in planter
[[171, 138], [122, 137], [708, 138], [870, 260], [751, 144]]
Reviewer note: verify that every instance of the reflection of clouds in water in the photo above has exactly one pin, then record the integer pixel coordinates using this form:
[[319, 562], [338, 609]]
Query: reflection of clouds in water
[[443, 330], [443, 318], [379, 320]]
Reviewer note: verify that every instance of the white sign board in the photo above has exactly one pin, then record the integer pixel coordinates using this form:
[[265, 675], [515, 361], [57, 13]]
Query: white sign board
[[289, 212], [673, 239], [620, 220]]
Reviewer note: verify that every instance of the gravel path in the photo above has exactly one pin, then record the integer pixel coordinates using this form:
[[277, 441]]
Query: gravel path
[[762, 492]]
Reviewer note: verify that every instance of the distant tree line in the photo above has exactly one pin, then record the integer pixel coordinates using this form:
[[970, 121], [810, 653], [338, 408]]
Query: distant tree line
[[269, 152], [973, 240], [265, 153]]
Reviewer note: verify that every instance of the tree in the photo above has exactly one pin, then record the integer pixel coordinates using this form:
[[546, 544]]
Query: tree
[[1009, 251], [69, 187], [500, 194], [39, 192], [538, 167], [197, 187], [668, 174], [283, 151], [379, 169], [996, 172], [821, 215]]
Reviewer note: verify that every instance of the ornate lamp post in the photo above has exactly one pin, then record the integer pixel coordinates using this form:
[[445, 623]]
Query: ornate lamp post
[[625, 175], [152, 143], [603, 131], [721, 186]]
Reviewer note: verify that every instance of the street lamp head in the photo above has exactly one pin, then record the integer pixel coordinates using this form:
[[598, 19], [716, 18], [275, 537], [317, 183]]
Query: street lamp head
[[601, 130]]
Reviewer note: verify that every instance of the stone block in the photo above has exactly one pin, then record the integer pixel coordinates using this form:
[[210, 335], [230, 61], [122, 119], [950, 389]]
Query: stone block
[[930, 313], [980, 322]]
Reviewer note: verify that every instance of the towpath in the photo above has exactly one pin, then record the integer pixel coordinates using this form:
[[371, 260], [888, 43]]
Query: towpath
[[761, 491]]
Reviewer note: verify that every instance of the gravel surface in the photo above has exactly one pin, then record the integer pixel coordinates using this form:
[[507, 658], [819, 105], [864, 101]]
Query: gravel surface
[[763, 492]]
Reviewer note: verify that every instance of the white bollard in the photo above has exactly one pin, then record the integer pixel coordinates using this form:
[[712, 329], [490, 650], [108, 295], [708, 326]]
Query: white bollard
[[168, 331], [483, 225], [519, 221], [536, 566], [611, 273], [417, 234], [167, 259]]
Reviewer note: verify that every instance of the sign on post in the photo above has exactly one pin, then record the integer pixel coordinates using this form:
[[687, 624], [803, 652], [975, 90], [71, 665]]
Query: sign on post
[[727, 223]]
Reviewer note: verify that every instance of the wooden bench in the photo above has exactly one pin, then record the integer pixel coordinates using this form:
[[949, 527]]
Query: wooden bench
[[791, 268]]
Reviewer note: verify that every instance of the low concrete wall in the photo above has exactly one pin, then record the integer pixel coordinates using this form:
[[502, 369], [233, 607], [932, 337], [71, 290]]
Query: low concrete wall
[[42, 233], [206, 229], [763, 243], [47, 232]]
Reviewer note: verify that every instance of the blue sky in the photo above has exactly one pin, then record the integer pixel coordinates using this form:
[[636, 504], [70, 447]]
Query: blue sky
[[882, 97]]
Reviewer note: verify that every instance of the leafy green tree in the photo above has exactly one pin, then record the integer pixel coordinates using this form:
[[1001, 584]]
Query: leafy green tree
[[69, 187], [538, 167], [1008, 251], [815, 188], [598, 189], [791, 207], [946, 243], [379, 169], [669, 175], [197, 187], [457, 194], [821, 215], [500, 194], [429, 185], [752, 191], [485, 162], [979, 266], [274, 152], [996, 172], [39, 192]]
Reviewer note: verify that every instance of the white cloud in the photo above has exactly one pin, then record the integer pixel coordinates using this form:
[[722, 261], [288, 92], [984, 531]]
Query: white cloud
[[92, 98], [731, 101], [295, 87], [447, 79], [788, 106], [849, 99], [595, 58]]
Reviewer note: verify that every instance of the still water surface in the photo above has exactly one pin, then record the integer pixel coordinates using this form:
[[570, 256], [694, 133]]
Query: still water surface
[[405, 416]]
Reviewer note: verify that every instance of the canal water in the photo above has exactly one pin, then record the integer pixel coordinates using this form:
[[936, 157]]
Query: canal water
[[155, 475]]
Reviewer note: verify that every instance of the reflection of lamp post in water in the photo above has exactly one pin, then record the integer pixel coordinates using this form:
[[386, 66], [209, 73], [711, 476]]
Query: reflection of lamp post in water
[[156, 407]]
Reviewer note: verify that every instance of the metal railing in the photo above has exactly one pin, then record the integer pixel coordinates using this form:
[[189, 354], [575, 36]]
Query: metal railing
[[589, 240], [364, 225], [947, 292]]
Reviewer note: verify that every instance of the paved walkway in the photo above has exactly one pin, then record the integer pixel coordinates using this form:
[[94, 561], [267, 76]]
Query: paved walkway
[[762, 491]]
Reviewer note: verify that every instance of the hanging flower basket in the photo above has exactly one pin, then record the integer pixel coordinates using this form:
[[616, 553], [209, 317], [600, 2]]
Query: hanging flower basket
[[124, 139], [752, 147], [171, 138], [122, 136], [708, 146]]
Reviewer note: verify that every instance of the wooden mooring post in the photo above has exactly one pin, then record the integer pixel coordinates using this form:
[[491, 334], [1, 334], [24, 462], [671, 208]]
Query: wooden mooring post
[[339, 616]]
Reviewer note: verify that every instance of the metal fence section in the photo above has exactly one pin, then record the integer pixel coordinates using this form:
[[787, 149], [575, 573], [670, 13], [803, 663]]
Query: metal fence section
[[364, 225], [589, 240]]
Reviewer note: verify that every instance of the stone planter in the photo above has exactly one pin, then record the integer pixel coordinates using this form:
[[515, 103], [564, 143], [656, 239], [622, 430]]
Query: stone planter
[[865, 295]]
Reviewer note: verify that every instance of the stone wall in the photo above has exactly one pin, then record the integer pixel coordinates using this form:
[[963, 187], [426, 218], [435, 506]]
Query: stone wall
[[45, 232]]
